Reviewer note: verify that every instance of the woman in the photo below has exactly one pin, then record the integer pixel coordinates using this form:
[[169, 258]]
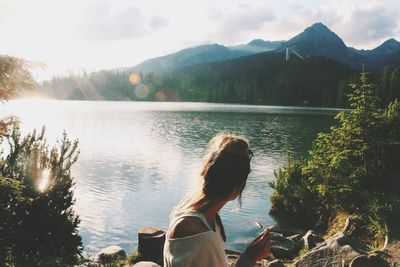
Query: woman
[[196, 235]]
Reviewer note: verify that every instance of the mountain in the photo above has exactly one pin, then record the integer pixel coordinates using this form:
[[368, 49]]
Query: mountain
[[319, 40], [203, 54], [185, 57], [256, 46], [256, 72], [316, 40], [388, 47]]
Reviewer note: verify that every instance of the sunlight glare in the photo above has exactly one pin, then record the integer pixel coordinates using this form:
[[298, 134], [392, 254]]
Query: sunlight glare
[[44, 180]]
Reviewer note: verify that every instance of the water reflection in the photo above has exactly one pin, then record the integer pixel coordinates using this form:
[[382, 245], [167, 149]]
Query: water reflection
[[139, 159]]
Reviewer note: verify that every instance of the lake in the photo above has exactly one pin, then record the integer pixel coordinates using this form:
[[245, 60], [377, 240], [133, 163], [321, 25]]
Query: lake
[[138, 159]]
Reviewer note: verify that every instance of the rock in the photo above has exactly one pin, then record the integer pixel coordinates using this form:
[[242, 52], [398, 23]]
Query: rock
[[275, 263], [321, 224], [232, 259], [335, 251], [310, 240], [283, 231], [282, 247], [110, 254], [146, 264], [296, 238], [369, 261], [347, 225], [151, 244]]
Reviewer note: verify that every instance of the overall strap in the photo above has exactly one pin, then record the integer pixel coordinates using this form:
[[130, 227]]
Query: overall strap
[[191, 213], [221, 226]]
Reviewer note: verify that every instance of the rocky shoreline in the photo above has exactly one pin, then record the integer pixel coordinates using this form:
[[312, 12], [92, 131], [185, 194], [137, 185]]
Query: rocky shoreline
[[287, 249]]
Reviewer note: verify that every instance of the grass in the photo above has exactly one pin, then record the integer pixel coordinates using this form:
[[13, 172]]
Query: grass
[[337, 223]]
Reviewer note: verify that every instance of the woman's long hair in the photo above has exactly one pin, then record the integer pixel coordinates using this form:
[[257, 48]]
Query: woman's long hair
[[224, 172]]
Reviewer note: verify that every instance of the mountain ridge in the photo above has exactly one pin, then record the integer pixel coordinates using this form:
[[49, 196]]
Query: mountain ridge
[[315, 40]]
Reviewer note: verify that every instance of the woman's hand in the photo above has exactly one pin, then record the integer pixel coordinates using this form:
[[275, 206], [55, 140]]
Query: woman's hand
[[260, 247]]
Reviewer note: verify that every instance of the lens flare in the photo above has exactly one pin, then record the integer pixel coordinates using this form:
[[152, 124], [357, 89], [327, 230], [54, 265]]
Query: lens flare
[[134, 78], [167, 94], [44, 180], [142, 91], [160, 96]]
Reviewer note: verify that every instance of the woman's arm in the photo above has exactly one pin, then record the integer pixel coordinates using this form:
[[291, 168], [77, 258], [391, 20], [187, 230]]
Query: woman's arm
[[258, 249]]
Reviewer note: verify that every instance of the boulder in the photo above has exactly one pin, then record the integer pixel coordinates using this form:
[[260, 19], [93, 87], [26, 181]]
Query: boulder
[[110, 254], [275, 263], [335, 251], [146, 264], [310, 240], [283, 231], [151, 244], [282, 247], [232, 259], [369, 261], [296, 238]]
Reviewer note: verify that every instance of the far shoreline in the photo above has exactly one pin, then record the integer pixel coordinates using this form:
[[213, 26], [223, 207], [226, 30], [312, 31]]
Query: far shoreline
[[34, 99]]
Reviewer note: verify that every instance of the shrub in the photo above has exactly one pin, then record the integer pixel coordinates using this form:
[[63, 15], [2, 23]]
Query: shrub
[[37, 223], [355, 167], [38, 226]]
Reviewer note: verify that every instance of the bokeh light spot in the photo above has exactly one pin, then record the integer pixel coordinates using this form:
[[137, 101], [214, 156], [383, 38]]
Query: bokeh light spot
[[141, 91], [134, 78], [160, 96], [167, 94]]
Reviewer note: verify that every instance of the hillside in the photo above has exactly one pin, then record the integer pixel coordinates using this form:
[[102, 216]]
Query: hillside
[[202, 54], [265, 78]]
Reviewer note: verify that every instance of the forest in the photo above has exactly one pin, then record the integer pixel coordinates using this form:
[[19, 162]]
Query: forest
[[266, 79]]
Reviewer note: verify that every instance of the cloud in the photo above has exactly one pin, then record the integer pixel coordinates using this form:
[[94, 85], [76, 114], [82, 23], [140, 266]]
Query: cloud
[[4, 12], [244, 19], [298, 17], [365, 23], [157, 22], [102, 23], [369, 25]]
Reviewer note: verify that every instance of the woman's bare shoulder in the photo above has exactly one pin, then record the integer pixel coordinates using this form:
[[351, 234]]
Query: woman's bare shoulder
[[186, 227]]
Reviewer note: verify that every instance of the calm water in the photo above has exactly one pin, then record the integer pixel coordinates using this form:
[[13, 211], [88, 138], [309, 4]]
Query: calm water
[[139, 159]]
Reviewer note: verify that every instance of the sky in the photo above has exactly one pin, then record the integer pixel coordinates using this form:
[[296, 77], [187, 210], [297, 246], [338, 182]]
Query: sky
[[68, 36]]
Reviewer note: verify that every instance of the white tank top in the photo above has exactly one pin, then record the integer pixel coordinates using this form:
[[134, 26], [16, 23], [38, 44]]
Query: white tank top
[[205, 249]]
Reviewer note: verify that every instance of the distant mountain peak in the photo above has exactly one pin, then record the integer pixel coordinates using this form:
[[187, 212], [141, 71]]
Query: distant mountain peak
[[391, 41], [319, 25], [318, 33], [320, 28], [258, 42], [388, 46]]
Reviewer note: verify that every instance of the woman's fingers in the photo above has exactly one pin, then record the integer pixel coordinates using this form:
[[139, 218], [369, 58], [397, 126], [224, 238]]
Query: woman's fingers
[[265, 235], [260, 246]]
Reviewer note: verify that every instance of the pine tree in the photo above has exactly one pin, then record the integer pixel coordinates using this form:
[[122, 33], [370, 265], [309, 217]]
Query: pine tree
[[38, 226], [354, 167]]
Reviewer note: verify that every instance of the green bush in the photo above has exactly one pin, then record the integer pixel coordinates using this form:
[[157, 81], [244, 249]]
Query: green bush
[[38, 226], [355, 167], [291, 195]]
